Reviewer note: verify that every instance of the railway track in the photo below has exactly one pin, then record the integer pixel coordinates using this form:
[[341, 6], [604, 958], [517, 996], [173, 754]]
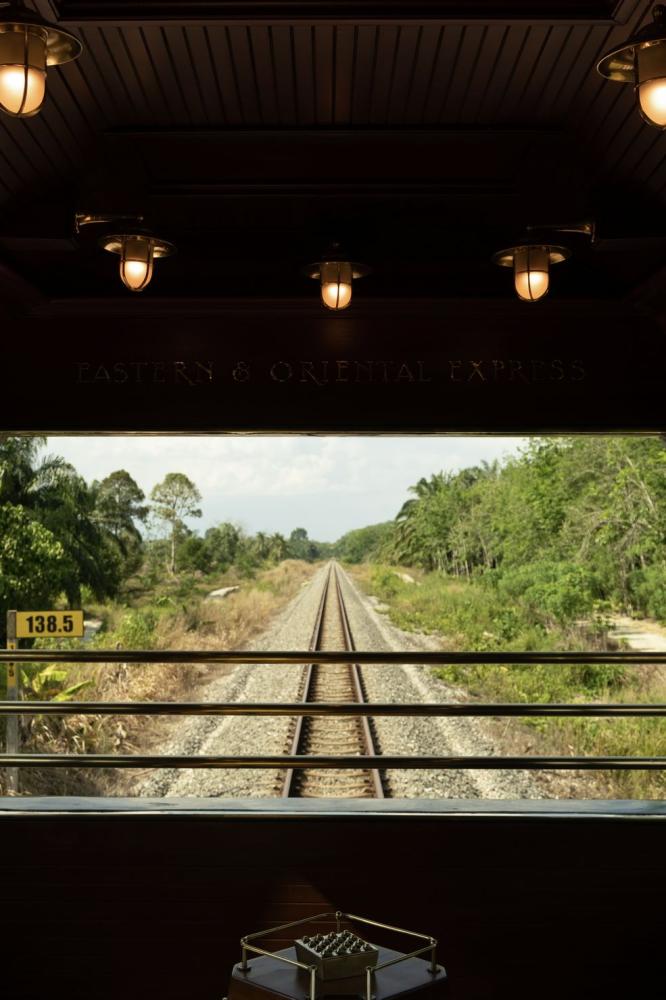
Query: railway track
[[334, 683]]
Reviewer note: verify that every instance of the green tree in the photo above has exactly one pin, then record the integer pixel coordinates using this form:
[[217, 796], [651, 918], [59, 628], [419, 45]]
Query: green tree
[[119, 505], [55, 496], [364, 543], [31, 563], [27, 481], [175, 498], [118, 508], [221, 545]]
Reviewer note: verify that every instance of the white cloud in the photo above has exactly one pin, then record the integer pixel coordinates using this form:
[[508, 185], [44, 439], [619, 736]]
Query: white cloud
[[325, 484]]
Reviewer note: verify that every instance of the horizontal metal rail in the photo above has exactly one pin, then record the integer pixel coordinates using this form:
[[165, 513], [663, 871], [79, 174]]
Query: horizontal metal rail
[[385, 761], [195, 656], [451, 709], [9, 709]]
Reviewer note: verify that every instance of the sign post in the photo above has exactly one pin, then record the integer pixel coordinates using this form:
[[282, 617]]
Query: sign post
[[13, 693], [32, 625]]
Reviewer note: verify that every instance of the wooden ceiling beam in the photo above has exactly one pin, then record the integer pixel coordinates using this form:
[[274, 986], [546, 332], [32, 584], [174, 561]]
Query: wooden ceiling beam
[[556, 11]]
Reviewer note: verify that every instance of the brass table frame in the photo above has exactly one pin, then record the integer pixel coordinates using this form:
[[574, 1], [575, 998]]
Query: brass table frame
[[430, 947]]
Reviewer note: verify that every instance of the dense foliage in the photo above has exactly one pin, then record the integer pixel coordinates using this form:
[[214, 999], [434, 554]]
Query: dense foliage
[[567, 524], [58, 534], [363, 544], [63, 541]]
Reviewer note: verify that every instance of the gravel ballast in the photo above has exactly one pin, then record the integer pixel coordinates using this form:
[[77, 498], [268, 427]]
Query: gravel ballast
[[243, 735], [383, 683], [441, 736]]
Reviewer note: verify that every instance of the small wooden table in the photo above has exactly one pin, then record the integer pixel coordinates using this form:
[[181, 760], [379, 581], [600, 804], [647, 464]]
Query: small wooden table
[[267, 977]]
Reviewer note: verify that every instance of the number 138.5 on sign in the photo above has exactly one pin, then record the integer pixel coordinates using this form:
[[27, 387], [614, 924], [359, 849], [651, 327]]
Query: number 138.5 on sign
[[56, 624]]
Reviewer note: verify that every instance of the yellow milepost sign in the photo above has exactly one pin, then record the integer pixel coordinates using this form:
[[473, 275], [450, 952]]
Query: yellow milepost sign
[[57, 624]]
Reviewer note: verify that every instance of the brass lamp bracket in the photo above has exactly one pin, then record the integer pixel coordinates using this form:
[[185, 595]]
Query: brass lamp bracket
[[83, 219], [587, 228], [334, 253], [620, 63], [61, 46]]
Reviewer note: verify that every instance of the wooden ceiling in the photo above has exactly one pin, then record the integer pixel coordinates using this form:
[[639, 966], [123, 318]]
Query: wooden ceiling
[[423, 135]]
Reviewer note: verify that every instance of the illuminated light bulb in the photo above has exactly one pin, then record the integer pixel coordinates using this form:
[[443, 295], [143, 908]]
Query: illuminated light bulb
[[28, 45], [651, 82], [641, 61], [136, 262], [22, 69], [137, 250], [336, 283], [652, 97], [531, 272]]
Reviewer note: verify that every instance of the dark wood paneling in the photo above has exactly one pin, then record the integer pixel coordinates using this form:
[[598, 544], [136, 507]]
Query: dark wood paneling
[[391, 367], [154, 907], [114, 10], [479, 67]]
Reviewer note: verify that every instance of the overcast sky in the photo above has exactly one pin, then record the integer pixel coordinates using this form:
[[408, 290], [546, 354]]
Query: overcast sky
[[327, 485]]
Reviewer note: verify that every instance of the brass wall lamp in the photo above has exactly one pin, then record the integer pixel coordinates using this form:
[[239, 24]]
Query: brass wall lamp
[[532, 259], [335, 273], [28, 46], [641, 61], [137, 247]]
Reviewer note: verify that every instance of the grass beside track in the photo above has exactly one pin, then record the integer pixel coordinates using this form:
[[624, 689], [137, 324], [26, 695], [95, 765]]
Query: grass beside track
[[175, 615], [470, 616]]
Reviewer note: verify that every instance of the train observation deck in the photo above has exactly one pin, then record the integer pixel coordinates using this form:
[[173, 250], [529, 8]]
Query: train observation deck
[[390, 150]]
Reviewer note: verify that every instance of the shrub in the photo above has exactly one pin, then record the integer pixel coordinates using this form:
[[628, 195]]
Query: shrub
[[648, 591]]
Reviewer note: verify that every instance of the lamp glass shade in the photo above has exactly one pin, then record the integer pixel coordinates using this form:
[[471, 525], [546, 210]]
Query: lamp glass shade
[[336, 283], [531, 272], [136, 262], [22, 69], [651, 82]]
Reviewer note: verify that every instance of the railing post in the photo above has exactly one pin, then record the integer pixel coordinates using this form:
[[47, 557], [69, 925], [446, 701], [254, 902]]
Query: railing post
[[13, 694]]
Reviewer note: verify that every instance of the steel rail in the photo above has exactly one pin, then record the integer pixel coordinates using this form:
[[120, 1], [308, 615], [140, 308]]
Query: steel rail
[[291, 787], [449, 709], [307, 682], [404, 763], [276, 657], [366, 732]]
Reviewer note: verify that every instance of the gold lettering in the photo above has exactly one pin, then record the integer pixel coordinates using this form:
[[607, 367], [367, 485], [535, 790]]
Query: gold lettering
[[578, 373], [407, 376], [241, 373], [281, 367], [341, 368], [180, 373], [556, 370], [538, 371], [498, 368], [204, 370], [308, 372], [454, 366], [476, 371], [138, 366], [363, 367], [516, 370]]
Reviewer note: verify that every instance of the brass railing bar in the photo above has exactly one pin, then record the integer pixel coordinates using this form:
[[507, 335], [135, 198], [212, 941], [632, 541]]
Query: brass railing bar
[[340, 763], [194, 656], [449, 709]]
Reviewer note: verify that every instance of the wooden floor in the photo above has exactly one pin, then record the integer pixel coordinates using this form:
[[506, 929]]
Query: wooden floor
[[528, 901]]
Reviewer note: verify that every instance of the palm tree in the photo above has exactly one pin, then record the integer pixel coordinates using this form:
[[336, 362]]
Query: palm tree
[[26, 483]]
